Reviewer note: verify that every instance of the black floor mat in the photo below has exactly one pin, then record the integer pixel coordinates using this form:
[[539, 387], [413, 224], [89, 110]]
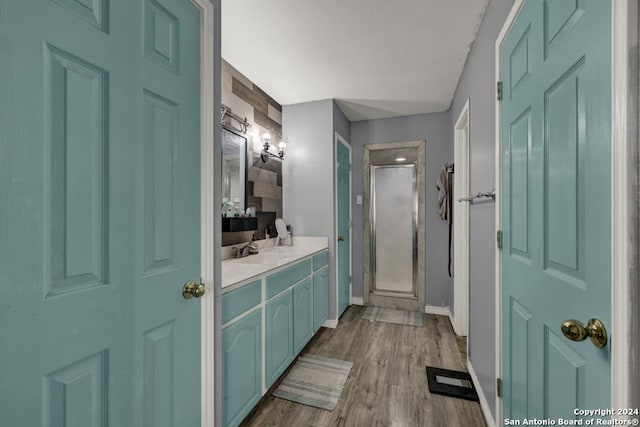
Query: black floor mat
[[451, 383]]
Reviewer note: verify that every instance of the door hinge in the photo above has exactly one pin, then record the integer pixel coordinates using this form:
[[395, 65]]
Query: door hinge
[[499, 90], [499, 239], [499, 386]]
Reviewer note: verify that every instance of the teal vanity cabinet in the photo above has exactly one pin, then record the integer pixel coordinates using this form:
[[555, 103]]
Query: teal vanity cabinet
[[279, 336], [320, 290], [241, 353], [302, 315], [266, 324], [280, 318]]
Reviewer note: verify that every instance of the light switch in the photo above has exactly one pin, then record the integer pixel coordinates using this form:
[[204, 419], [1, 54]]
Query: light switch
[[359, 199]]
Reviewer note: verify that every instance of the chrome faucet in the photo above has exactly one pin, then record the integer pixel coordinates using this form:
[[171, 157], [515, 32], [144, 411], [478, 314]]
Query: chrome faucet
[[244, 251]]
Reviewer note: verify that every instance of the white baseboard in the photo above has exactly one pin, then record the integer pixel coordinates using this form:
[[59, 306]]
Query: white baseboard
[[440, 311], [331, 323], [357, 301], [488, 417]]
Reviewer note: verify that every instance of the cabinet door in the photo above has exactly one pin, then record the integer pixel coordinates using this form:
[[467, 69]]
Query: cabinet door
[[302, 315], [241, 368], [320, 298], [279, 336]]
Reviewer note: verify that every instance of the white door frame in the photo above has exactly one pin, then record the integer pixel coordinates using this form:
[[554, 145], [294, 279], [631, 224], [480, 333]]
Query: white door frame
[[461, 224], [624, 38], [207, 210], [339, 138]]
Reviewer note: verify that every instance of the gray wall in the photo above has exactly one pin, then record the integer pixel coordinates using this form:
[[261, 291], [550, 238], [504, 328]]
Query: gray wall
[[478, 84], [307, 191], [341, 124], [436, 130]]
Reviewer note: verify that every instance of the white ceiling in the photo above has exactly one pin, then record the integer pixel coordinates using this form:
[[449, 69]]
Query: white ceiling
[[377, 58]]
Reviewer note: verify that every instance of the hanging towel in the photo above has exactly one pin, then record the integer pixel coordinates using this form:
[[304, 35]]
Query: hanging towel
[[444, 185]]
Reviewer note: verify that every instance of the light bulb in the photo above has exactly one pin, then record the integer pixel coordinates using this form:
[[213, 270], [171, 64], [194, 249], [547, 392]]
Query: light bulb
[[265, 135]]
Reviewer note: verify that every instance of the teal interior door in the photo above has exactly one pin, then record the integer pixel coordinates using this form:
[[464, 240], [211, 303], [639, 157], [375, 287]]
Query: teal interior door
[[100, 217], [556, 137], [343, 165]]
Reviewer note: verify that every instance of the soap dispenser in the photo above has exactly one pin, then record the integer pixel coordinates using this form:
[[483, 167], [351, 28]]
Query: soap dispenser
[[289, 235]]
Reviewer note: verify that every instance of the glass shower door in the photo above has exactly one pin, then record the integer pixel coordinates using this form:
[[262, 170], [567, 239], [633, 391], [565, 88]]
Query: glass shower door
[[394, 209]]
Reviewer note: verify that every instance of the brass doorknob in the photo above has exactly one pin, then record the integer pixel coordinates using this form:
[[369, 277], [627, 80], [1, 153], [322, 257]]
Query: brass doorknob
[[192, 290], [576, 331], [340, 238]]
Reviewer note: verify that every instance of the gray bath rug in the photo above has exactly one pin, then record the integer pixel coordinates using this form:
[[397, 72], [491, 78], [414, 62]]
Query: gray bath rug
[[392, 315], [315, 381]]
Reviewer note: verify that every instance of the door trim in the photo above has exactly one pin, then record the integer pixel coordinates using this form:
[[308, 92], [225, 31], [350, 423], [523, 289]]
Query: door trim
[[341, 139], [623, 174], [624, 38], [209, 330], [461, 223]]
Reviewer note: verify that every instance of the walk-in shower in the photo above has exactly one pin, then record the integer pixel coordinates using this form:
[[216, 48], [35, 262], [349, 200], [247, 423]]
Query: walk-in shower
[[393, 219], [394, 226]]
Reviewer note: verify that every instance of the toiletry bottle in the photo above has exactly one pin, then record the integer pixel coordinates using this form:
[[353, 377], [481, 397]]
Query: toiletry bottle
[[290, 235], [236, 206], [225, 201], [267, 232]]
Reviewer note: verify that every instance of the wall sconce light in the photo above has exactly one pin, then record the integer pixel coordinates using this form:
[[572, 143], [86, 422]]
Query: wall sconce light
[[265, 136]]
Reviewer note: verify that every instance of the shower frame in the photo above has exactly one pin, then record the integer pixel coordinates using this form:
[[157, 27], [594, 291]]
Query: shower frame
[[414, 230], [371, 155]]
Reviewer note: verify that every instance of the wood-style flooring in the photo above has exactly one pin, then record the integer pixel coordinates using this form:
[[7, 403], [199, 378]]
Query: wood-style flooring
[[388, 383]]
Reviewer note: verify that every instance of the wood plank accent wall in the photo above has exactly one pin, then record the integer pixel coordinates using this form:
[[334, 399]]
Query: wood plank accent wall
[[264, 189]]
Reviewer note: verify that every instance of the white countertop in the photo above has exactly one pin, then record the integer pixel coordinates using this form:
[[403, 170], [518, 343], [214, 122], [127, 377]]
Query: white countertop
[[242, 269]]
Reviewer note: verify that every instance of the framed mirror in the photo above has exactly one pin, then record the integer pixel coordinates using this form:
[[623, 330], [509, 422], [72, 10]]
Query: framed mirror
[[234, 167]]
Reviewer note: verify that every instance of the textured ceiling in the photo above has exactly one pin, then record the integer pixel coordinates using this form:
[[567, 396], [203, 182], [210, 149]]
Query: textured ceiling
[[377, 58]]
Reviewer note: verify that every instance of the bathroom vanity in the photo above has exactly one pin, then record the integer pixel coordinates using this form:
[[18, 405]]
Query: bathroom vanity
[[272, 304]]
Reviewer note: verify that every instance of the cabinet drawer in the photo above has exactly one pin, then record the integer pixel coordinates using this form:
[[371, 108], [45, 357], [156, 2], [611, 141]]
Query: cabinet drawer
[[239, 300], [320, 260], [282, 280]]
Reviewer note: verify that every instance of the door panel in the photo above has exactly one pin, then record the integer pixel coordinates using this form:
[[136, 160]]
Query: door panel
[[99, 176], [160, 135], [75, 154], [556, 128], [343, 158], [169, 210]]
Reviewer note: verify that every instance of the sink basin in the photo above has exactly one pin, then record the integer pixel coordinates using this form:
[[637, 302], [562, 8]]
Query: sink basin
[[265, 259]]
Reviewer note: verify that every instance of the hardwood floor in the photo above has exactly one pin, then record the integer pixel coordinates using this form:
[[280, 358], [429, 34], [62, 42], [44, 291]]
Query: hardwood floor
[[388, 383]]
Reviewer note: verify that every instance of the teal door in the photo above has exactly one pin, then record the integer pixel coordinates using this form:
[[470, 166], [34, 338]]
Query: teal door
[[99, 225], [343, 184], [555, 148]]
